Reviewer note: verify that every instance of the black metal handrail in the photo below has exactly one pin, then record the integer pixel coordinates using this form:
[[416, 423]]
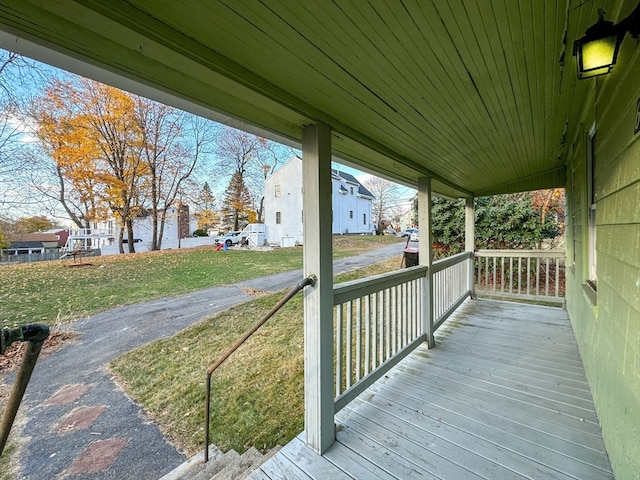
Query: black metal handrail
[[310, 280], [35, 336]]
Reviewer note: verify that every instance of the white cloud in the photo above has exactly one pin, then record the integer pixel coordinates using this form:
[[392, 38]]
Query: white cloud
[[24, 128]]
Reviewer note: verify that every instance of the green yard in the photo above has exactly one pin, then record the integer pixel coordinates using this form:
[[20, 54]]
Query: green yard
[[257, 402], [257, 395], [52, 293]]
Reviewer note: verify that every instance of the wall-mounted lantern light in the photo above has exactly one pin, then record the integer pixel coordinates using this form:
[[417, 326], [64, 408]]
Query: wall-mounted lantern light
[[597, 51]]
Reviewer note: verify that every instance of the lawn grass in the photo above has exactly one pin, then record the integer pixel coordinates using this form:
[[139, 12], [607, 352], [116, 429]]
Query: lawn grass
[[7, 470], [51, 293], [257, 395]]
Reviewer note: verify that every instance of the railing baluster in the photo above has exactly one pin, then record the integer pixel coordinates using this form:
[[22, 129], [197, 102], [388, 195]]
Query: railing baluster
[[519, 274], [546, 286], [510, 274], [493, 274], [349, 341], [339, 349], [486, 273], [410, 313], [374, 331], [392, 319], [416, 310], [387, 294], [381, 317], [557, 277], [404, 306], [538, 276], [358, 339], [367, 334]]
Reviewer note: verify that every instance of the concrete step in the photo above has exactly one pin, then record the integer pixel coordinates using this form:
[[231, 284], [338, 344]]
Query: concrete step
[[234, 470], [256, 464], [227, 466], [212, 468], [193, 465]]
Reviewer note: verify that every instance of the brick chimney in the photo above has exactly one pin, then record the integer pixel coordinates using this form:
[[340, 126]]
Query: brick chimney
[[183, 221]]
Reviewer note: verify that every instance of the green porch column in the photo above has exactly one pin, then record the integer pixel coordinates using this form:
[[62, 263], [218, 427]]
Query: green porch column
[[426, 255], [318, 299]]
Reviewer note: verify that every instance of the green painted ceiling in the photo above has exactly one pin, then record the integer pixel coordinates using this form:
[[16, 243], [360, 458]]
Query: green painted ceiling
[[473, 93]]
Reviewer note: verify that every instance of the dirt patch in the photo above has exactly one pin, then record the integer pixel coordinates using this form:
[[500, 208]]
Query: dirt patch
[[12, 357], [344, 241], [253, 292]]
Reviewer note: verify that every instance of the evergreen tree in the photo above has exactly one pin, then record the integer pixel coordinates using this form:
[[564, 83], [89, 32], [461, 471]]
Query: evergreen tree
[[206, 200], [206, 213], [237, 210]]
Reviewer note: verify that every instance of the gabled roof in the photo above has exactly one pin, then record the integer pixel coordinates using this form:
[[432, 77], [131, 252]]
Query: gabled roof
[[347, 177], [33, 237], [55, 231], [28, 244]]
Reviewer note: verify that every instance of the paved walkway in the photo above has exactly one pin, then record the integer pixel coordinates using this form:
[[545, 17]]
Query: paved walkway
[[79, 424]]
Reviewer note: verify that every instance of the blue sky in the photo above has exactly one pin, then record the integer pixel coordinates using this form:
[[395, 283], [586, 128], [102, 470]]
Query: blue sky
[[52, 72]]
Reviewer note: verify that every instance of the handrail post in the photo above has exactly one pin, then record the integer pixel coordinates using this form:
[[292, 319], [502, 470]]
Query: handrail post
[[310, 280], [318, 302], [470, 240], [471, 275], [426, 245], [35, 336]]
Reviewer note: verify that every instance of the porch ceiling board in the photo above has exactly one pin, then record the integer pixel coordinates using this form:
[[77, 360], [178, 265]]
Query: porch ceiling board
[[472, 93]]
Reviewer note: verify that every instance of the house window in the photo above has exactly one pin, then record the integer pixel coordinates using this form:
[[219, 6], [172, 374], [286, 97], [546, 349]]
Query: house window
[[350, 213], [277, 190], [351, 190], [364, 218], [278, 218], [591, 205]]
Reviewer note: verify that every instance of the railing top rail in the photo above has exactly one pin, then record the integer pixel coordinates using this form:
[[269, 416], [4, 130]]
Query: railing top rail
[[303, 283], [522, 253], [452, 260], [359, 288]]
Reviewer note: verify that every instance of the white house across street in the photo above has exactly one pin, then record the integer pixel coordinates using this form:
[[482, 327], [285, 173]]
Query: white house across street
[[284, 216]]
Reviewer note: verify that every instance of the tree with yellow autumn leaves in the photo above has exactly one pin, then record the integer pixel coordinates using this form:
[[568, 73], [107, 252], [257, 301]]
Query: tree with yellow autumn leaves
[[116, 154]]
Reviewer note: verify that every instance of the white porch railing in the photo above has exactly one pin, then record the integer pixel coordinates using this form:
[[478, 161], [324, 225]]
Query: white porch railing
[[452, 283], [526, 274], [380, 320], [92, 232]]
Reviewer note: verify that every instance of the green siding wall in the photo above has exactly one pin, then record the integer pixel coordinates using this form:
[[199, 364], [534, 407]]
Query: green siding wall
[[608, 333]]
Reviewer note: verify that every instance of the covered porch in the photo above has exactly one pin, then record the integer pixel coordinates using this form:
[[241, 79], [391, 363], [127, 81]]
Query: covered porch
[[460, 98], [504, 395]]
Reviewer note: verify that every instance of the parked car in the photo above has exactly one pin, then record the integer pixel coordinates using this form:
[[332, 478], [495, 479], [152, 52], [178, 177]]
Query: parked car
[[229, 238], [414, 236], [408, 231]]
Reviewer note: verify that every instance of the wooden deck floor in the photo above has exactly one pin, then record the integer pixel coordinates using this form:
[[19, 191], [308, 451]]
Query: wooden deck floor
[[502, 396]]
